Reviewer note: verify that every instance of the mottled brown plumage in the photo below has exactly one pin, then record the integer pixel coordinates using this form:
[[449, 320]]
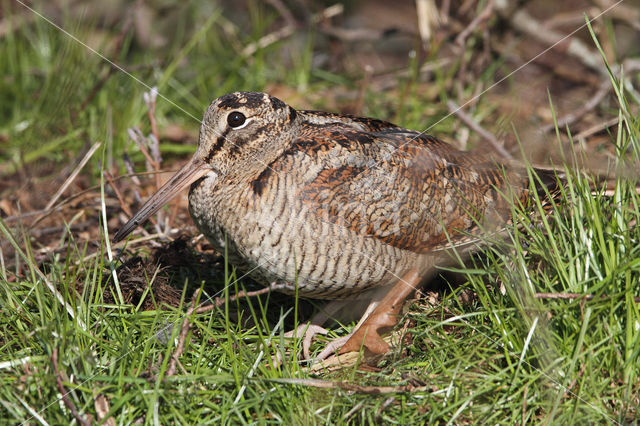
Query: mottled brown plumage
[[335, 203]]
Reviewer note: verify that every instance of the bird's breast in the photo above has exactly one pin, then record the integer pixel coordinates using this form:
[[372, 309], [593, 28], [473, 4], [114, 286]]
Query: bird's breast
[[269, 231]]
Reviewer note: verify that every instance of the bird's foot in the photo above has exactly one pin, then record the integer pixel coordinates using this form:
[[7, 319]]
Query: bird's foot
[[380, 314], [306, 332], [384, 315], [309, 330]]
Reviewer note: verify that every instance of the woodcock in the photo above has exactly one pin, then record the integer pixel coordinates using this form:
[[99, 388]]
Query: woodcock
[[339, 206]]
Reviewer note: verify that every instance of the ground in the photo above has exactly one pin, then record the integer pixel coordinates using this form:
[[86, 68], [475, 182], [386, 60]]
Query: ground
[[542, 326]]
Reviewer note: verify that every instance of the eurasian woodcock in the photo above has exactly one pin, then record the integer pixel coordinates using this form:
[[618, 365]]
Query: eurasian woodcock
[[337, 206]]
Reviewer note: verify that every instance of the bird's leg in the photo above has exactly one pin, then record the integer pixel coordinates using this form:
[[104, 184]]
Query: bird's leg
[[380, 313], [385, 314], [336, 344]]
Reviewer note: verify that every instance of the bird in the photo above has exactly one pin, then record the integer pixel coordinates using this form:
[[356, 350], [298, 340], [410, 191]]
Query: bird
[[347, 209]]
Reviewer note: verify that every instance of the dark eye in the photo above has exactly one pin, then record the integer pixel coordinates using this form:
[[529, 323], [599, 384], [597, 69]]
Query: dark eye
[[236, 119]]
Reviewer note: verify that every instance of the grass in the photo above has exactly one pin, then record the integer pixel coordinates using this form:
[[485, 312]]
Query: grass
[[487, 350]]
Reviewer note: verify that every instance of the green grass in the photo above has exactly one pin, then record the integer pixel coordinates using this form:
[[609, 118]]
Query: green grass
[[503, 357]]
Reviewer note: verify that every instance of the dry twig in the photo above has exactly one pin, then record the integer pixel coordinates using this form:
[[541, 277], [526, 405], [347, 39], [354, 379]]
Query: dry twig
[[573, 296], [351, 387], [428, 19], [482, 16], [570, 118], [150, 98], [289, 29], [116, 191], [73, 175], [596, 128], [283, 11], [522, 21], [469, 121]]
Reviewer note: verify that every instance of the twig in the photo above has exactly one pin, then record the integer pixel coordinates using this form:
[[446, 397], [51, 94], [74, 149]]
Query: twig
[[573, 296], [55, 229], [629, 14], [153, 160], [128, 164], [596, 128], [595, 100], [384, 405], [469, 121], [364, 84], [352, 34], [63, 391], [268, 40], [136, 135], [460, 42], [465, 7], [522, 21], [283, 11], [288, 30], [444, 11], [116, 191], [218, 301], [73, 175], [482, 16], [352, 411], [186, 325], [569, 296], [351, 387], [567, 390], [524, 403], [124, 205]]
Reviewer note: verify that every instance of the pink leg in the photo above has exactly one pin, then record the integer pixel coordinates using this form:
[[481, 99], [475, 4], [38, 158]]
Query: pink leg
[[384, 315]]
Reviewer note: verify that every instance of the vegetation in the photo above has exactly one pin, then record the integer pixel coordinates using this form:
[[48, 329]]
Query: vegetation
[[542, 325]]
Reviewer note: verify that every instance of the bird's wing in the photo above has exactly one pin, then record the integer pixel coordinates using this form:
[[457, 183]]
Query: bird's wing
[[411, 191]]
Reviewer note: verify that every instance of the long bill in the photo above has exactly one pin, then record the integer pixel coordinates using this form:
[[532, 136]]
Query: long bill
[[190, 173]]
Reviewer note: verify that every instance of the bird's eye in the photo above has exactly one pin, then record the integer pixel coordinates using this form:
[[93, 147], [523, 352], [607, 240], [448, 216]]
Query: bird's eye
[[236, 119]]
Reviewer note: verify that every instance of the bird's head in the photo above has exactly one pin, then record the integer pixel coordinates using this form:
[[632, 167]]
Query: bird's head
[[240, 132]]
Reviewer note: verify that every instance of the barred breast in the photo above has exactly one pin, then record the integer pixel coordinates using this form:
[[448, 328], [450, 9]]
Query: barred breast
[[267, 230]]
